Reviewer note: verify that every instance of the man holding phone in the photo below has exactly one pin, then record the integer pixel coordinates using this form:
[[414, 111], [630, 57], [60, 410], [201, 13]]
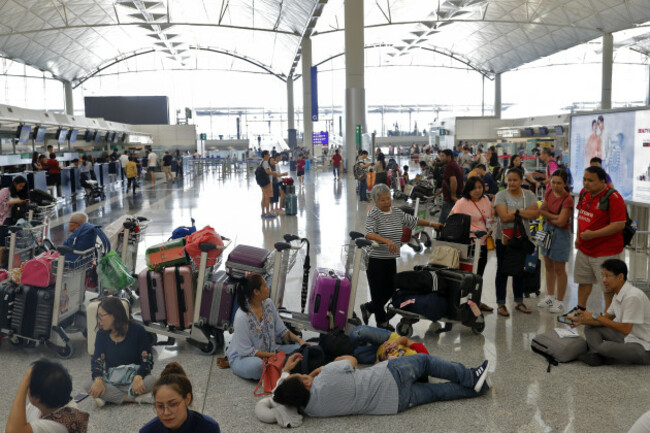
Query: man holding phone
[[622, 334]]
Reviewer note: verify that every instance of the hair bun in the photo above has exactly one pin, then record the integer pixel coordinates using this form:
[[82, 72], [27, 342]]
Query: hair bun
[[173, 368]]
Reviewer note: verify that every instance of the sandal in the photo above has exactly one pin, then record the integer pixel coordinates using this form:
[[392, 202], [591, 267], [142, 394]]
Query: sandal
[[223, 362], [503, 311], [523, 308], [485, 307]]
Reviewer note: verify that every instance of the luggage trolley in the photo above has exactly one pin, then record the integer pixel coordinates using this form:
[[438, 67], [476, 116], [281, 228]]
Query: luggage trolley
[[25, 243], [129, 238], [285, 258], [66, 300], [199, 334], [419, 236], [469, 255]]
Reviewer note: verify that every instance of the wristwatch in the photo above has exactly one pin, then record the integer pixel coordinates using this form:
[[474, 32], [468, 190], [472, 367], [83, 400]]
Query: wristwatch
[[595, 316]]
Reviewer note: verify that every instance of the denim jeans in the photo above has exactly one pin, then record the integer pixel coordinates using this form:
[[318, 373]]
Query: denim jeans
[[337, 170], [501, 279], [363, 190], [408, 369], [445, 210], [366, 341], [251, 367]]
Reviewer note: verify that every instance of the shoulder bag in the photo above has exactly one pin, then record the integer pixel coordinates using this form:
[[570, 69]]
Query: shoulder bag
[[514, 259], [272, 369], [489, 240]]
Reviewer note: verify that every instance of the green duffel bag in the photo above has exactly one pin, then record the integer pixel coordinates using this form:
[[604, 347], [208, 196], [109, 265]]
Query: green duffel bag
[[113, 274]]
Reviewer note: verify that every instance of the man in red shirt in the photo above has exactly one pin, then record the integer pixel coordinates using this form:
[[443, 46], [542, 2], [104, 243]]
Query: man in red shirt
[[601, 218], [336, 164], [452, 183]]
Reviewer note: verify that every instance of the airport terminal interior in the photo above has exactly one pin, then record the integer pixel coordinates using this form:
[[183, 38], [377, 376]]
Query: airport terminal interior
[[214, 83]]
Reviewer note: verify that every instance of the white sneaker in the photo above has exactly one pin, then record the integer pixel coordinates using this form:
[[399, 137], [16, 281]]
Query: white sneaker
[[546, 302], [100, 402], [557, 307]]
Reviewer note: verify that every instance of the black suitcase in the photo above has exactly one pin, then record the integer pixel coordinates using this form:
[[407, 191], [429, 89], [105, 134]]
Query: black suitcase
[[456, 229], [457, 284], [429, 305], [7, 295], [32, 312], [532, 281], [423, 281]]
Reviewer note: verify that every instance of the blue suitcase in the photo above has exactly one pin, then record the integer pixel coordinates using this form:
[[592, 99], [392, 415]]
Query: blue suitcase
[[291, 204]]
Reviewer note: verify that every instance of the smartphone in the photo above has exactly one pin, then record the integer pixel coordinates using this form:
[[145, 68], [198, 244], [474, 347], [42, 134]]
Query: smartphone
[[80, 397], [565, 320]]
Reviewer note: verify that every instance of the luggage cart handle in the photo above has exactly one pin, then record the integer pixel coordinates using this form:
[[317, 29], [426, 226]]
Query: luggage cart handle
[[64, 249], [356, 235], [281, 246], [207, 246], [362, 243]]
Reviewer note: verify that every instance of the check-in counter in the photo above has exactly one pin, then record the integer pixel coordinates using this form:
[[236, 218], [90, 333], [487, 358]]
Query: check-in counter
[[75, 179], [37, 180], [66, 182], [7, 179]]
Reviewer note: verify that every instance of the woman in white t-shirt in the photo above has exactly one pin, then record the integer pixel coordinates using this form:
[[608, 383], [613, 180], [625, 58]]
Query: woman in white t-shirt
[[43, 403]]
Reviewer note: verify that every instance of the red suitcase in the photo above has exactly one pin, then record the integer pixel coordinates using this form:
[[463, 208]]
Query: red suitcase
[[152, 297], [179, 296]]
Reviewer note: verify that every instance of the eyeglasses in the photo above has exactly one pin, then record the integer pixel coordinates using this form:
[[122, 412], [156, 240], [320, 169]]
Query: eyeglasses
[[173, 406], [100, 316]]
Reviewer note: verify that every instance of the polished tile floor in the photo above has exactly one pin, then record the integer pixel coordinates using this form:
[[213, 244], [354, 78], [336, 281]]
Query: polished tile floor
[[525, 398]]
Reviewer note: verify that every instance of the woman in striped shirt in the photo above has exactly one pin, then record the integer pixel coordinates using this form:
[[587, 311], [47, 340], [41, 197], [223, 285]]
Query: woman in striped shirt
[[384, 226]]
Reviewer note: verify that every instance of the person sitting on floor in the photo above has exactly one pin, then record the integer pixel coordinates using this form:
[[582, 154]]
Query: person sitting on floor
[[626, 339], [173, 397], [49, 408], [386, 388], [122, 362], [257, 330], [376, 344]]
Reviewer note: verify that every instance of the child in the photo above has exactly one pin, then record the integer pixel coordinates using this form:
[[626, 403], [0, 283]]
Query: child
[[300, 169], [405, 176]]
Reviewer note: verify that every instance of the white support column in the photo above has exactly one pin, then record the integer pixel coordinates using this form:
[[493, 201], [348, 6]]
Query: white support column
[[306, 95], [608, 61], [69, 102], [497, 96], [291, 125], [355, 92]]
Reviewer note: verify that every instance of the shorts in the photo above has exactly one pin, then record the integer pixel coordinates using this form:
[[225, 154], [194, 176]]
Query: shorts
[[300, 173], [267, 191], [167, 169], [560, 247], [587, 270]]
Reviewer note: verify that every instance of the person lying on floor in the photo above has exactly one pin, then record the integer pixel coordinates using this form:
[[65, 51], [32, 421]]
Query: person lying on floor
[[376, 344], [389, 387]]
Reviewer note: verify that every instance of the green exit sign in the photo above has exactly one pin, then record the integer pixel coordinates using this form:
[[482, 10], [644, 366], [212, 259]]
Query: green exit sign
[[443, 131], [204, 136]]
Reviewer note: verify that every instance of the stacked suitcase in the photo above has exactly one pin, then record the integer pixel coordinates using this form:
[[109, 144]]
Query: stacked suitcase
[[166, 288], [31, 314], [329, 299], [290, 199]]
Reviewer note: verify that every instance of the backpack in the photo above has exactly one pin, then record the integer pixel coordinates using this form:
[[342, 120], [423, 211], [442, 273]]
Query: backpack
[[603, 204], [359, 172], [312, 358], [563, 166], [261, 176], [183, 231], [556, 349], [456, 229]]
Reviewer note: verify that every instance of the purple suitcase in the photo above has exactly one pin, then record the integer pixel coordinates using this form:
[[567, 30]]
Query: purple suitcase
[[217, 301], [244, 259], [330, 292], [152, 297]]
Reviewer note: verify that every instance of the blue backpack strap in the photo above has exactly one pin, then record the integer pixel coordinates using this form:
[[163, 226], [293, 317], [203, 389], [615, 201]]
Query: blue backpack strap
[[102, 237]]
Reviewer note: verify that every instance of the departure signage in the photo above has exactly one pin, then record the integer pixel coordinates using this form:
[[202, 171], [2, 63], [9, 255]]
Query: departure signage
[[320, 138]]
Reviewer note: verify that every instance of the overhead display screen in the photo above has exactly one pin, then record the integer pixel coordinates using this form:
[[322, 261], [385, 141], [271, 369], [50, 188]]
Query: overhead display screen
[[622, 141]]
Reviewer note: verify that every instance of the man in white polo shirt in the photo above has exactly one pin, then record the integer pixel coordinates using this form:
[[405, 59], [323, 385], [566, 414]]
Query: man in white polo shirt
[[626, 339]]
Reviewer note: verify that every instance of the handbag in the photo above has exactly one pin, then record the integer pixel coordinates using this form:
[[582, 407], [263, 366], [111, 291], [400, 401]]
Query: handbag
[[489, 240], [122, 374], [544, 239], [517, 248], [272, 369], [445, 256]]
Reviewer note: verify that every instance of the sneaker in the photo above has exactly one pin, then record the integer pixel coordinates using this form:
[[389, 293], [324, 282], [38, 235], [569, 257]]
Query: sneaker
[[145, 399], [546, 302], [557, 307], [100, 402], [479, 375], [365, 313]]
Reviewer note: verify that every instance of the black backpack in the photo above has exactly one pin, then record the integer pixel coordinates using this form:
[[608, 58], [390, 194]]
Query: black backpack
[[312, 358], [336, 344], [261, 177], [456, 229], [603, 204]]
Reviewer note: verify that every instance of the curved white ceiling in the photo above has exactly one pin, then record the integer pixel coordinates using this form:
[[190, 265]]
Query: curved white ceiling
[[73, 39]]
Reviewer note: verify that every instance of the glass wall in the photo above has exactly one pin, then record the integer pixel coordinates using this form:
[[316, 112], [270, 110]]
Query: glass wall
[[24, 86]]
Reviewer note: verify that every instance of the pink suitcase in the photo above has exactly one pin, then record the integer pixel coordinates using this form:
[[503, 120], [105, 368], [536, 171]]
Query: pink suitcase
[[179, 296], [329, 298], [152, 296]]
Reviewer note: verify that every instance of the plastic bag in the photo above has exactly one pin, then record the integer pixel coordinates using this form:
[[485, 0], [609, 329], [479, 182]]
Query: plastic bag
[[112, 272]]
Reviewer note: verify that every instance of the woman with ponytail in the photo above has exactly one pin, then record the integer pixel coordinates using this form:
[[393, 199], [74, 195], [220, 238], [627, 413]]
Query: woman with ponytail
[[173, 396], [258, 329]]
